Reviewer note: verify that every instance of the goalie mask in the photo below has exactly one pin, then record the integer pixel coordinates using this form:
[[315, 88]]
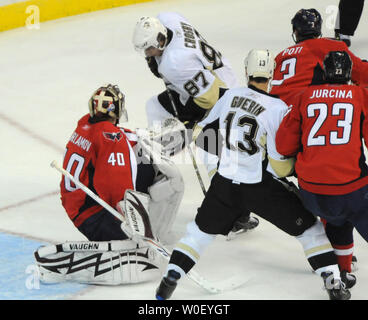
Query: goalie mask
[[149, 32], [108, 101]]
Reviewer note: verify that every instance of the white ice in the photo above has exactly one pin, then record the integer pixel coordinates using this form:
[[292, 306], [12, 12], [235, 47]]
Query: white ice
[[46, 78]]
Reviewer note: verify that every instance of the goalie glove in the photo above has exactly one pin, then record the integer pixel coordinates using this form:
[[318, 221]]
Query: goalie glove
[[170, 134]]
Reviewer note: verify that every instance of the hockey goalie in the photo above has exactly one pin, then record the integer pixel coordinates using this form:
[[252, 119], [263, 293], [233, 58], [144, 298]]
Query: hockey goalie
[[127, 172]]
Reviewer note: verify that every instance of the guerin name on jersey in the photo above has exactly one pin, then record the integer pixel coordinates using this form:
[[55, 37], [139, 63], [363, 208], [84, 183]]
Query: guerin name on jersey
[[80, 141], [247, 105]]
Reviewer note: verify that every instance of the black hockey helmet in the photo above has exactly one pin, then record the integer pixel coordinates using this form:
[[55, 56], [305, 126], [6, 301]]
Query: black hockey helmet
[[337, 67], [307, 23], [108, 101]]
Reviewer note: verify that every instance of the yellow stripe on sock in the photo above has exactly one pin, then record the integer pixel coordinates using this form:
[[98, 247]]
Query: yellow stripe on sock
[[314, 250], [188, 249]]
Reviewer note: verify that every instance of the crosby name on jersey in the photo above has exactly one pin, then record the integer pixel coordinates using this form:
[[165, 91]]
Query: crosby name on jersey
[[187, 48]]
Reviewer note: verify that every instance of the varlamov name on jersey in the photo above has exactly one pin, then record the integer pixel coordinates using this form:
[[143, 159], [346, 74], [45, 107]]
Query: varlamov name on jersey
[[331, 93], [80, 141], [247, 105]]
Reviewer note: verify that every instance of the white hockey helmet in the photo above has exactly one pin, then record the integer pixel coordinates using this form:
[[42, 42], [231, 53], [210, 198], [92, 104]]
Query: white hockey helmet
[[149, 32], [109, 101], [260, 63]]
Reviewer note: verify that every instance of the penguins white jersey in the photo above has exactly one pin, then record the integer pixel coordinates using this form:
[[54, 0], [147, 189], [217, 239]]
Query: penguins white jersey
[[249, 119], [191, 66]]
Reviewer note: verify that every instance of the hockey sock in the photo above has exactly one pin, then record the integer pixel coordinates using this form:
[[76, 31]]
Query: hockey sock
[[180, 262], [189, 248], [344, 256], [341, 238], [318, 250]]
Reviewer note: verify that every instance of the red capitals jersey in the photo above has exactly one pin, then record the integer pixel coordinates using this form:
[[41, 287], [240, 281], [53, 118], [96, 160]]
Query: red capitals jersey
[[299, 65], [326, 125], [100, 156]]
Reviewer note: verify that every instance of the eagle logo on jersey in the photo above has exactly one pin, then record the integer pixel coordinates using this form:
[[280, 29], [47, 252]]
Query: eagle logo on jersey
[[113, 136]]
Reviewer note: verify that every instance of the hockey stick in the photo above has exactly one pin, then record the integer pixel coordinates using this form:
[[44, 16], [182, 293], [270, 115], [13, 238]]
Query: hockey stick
[[196, 169], [195, 277], [115, 213]]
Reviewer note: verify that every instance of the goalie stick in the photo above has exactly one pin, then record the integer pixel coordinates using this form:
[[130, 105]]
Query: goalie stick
[[131, 233], [196, 169]]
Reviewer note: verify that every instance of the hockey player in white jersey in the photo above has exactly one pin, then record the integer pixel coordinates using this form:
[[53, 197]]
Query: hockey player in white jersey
[[196, 75], [247, 177]]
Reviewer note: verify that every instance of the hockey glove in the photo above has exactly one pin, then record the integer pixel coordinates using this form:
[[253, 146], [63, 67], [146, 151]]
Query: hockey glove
[[170, 137]]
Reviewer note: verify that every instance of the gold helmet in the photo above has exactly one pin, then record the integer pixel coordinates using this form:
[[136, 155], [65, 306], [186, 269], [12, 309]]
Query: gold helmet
[[110, 101]]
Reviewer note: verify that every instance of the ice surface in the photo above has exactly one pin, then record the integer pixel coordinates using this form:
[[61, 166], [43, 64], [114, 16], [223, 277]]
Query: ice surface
[[46, 78]]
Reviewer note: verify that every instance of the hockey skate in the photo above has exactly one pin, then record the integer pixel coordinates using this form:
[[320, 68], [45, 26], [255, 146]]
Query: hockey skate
[[242, 225], [348, 279], [336, 289], [167, 285]]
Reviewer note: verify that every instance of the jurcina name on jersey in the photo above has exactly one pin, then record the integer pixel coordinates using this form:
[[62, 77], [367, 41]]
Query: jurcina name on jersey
[[331, 93]]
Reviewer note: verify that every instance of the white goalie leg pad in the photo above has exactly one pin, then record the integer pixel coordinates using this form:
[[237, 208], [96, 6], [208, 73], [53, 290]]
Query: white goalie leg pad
[[163, 207], [104, 263], [315, 242], [166, 195]]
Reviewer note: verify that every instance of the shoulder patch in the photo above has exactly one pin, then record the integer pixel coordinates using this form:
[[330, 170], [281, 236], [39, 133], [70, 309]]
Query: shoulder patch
[[113, 136]]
